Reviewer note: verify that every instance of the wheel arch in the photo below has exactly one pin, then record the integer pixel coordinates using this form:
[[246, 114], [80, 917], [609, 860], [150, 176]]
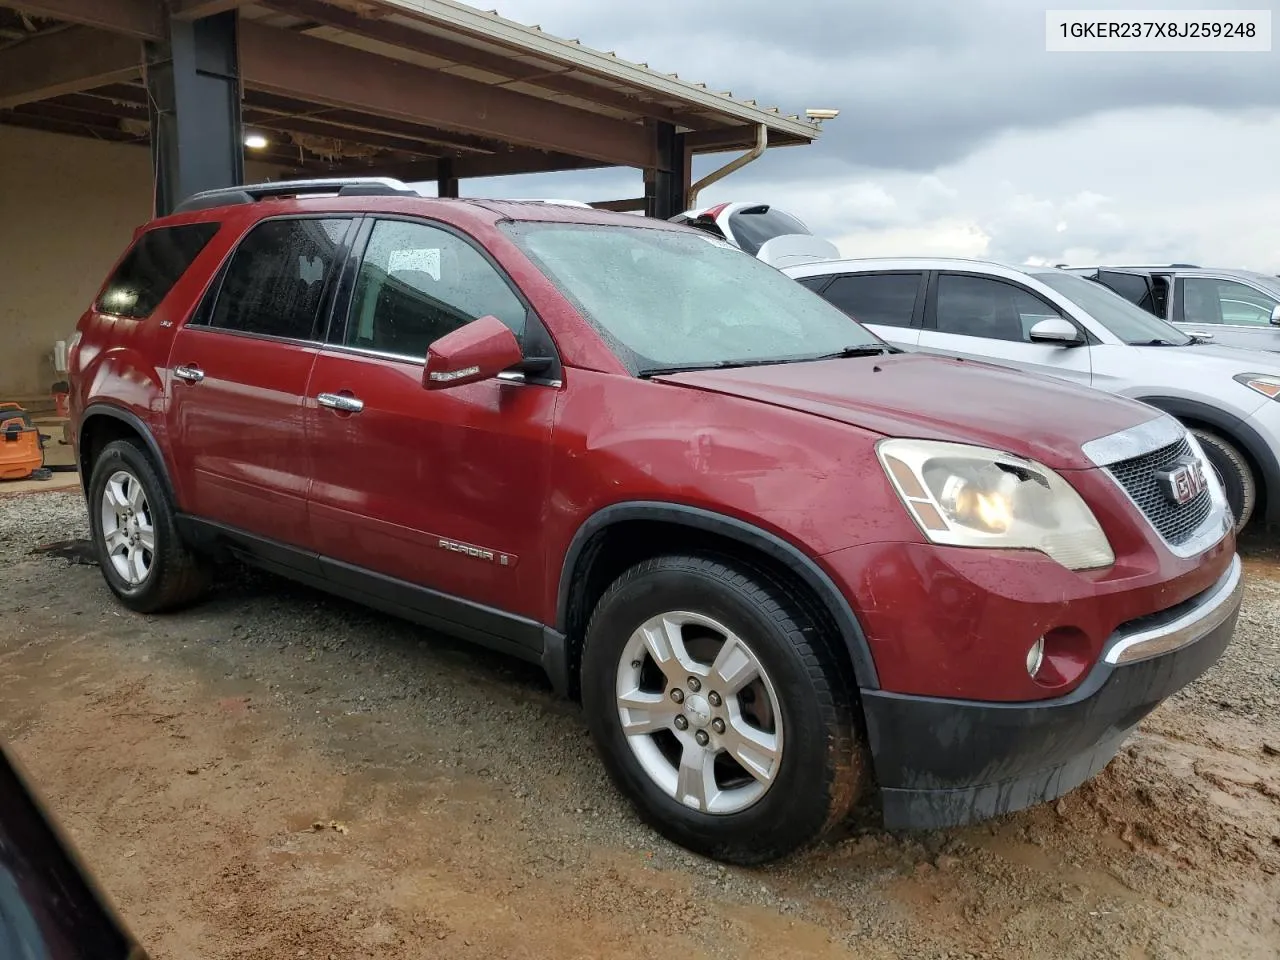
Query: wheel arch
[[100, 424], [1260, 457], [621, 534]]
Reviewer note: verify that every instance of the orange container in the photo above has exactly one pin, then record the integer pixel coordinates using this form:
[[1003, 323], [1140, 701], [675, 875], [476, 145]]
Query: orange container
[[21, 452]]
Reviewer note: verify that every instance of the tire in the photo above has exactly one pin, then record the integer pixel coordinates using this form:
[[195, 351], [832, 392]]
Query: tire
[[159, 572], [798, 703], [1234, 472]]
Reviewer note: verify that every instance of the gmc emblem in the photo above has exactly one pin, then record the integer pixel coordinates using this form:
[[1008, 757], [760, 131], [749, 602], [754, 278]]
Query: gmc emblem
[[1183, 481]]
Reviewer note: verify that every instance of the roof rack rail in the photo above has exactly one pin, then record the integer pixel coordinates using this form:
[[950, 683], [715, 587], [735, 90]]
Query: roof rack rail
[[252, 193]]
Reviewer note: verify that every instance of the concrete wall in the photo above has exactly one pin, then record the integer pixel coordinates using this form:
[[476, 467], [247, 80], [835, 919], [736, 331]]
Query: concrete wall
[[68, 206]]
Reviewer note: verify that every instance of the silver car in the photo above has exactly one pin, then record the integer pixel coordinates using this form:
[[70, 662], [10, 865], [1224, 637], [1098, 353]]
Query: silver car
[[1052, 322], [1237, 308]]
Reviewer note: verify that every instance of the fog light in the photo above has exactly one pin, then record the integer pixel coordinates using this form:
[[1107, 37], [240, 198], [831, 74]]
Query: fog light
[[1035, 657]]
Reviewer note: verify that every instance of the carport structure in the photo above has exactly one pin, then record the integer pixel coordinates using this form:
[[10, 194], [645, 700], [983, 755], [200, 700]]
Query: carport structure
[[416, 89]]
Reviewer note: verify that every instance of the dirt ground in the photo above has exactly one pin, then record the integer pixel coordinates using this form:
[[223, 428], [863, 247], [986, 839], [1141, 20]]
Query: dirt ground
[[277, 774]]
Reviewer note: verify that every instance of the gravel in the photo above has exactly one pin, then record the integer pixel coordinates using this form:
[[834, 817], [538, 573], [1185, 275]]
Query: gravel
[[1110, 867]]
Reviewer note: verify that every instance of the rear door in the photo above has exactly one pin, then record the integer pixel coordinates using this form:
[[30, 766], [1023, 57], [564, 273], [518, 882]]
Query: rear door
[[1236, 314], [889, 303], [238, 372], [988, 318]]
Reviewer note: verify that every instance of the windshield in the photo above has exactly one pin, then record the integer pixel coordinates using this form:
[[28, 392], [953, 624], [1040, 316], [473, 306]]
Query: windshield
[[674, 298], [1130, 323]]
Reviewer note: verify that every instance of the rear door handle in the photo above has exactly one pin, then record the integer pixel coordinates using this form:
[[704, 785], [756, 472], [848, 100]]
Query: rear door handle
[[189, 372], [340, 401]]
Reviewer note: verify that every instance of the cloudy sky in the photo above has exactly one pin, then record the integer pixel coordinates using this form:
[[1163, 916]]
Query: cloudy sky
[[958, 133]]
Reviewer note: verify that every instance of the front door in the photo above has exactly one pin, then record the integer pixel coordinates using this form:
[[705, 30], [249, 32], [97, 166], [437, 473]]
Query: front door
[[442, 489], [238, 373], [985, 318]]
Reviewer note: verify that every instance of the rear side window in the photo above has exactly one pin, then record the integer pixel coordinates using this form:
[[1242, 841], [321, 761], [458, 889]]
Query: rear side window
[[276, 279], [884, 298], [151, 267]]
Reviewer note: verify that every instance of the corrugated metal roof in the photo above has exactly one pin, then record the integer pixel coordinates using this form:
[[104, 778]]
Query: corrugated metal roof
[[487, 31]]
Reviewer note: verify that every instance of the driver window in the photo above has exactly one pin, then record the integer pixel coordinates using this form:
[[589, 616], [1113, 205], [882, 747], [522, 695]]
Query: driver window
[[418, 283], [1206, 300], [983, 307]]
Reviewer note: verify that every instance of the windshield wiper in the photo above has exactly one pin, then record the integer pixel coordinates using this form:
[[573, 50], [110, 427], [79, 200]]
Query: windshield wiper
[[861, 350], [1159, 343], [691, 367]]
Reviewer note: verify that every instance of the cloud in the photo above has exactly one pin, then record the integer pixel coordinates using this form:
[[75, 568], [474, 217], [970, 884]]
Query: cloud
[[960, 134], [920, 83]]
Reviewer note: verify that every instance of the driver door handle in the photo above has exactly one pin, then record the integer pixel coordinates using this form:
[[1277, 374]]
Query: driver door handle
[[340, 401], [189, 372]]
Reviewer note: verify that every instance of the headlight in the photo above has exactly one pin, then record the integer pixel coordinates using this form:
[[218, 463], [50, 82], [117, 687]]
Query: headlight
[[1266, 385], [977, 497]]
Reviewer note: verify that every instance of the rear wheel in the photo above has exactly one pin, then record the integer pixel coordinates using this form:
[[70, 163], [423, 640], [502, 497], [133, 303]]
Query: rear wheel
[[1234, 472], [719, 710], [131, 518]]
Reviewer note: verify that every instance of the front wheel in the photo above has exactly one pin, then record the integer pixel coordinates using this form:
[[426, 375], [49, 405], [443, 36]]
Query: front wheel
[[1234, 472], [719, 709]]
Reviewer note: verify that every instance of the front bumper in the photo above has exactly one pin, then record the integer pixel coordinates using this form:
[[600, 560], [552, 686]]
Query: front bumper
[[946, 763]]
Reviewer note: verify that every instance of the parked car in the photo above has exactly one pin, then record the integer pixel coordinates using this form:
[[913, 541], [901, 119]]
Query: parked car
[[1049, 321], [767, 233], [1238, 308], [764, 548]]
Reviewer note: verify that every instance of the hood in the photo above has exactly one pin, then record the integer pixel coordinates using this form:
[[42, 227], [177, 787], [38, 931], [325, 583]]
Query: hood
[[936, 398], [1238, 359]]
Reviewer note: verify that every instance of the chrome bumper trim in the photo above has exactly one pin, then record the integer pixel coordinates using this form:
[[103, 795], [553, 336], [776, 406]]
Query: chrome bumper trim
[[1207, 616]]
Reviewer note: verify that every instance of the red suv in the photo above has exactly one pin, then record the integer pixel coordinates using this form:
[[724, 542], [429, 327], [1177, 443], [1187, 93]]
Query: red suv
[[776, 558]]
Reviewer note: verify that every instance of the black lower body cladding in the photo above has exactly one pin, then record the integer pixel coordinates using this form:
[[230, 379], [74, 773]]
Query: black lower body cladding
[[946, 763]]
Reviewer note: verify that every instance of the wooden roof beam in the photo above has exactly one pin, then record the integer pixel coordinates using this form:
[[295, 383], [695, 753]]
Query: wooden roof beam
[[136, 18], [287, 63], [66, 62], [554, 81]]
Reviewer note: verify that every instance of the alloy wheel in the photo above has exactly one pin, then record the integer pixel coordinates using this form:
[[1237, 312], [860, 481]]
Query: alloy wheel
[[128, 529], [699, 712]]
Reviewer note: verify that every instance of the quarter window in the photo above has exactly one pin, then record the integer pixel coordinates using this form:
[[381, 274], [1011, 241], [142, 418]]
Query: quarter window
[[418, 283], [1206, 300], [275, 282], [888, 299], [983, 307], [151, 268]]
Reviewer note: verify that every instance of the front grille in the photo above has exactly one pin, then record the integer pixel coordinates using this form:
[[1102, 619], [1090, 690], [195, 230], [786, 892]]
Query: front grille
[[1176, 523]]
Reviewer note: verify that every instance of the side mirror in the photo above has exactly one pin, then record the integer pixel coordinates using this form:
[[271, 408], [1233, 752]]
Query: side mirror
[[478, 351], [1275, 314], [1055, 330]]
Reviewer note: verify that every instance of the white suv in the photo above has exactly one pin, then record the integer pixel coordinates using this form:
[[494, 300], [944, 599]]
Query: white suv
[[1049, 321]]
